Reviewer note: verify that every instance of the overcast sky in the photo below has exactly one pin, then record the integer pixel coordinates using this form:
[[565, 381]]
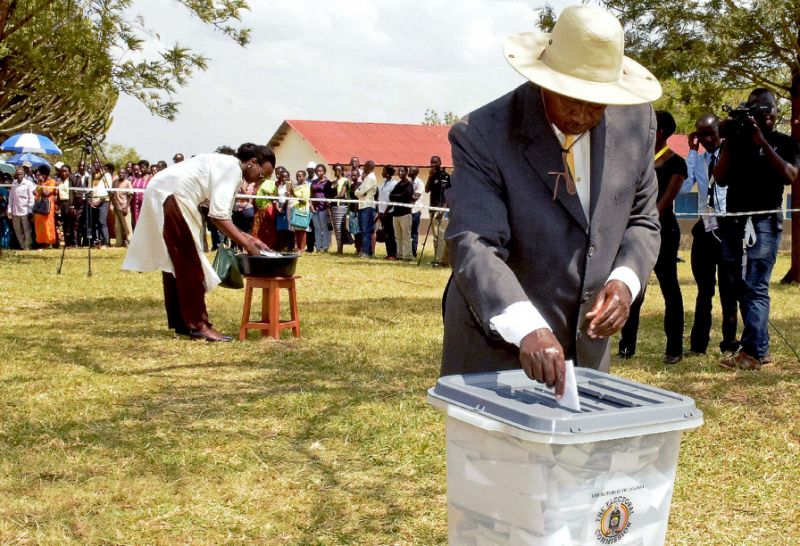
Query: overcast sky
[[344, 60]]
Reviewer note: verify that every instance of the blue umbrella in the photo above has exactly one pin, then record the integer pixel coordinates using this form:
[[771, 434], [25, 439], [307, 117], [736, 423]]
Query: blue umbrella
[[30, 142], [27, 157]]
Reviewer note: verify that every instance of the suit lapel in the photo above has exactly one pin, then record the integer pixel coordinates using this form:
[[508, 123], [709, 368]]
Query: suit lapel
[[600, 157], [543, 152]]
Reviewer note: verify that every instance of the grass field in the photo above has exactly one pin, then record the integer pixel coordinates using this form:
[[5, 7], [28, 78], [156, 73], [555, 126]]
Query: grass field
[[114, 431]]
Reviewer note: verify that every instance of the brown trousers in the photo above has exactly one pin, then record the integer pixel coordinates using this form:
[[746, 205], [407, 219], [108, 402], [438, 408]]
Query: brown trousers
[[185, 290]]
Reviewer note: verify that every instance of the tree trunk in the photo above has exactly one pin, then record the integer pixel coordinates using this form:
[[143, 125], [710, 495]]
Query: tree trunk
[[793, 275]]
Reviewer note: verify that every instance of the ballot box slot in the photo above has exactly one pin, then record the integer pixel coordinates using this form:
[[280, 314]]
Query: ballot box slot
[[609, 396], [533, 395], [645, 395]]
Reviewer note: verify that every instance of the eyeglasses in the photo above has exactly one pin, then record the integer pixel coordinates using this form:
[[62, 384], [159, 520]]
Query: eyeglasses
[[261, 175]]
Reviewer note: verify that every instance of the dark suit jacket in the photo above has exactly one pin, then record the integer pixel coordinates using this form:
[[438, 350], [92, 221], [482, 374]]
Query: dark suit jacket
[[509, 241]]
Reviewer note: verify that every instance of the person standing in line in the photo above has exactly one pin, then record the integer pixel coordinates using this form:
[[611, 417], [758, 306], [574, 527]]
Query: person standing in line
[[5, 224], [755, 164], [671, 172], [708, 267], [385, 212], [341, 186], [121, 202], [243, 210], [285, 237], [301, 191], [62, 199], [311, 236], [403, 192], [321, 188], [416, 211], [177, 158], [353, 225], [438, 183], [265, 212], [80, 204], [45, 223], [20, 208], [102, 179], [365, 192], [139, 182], [169, 236]]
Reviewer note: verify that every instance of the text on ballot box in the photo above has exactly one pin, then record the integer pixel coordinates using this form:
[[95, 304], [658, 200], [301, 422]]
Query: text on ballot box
[[522, 470]]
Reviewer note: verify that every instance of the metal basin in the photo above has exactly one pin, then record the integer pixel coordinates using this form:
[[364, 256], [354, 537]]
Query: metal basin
[[267, 266]]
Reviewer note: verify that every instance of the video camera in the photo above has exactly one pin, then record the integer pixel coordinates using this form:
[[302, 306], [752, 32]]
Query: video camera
[[736, 124]]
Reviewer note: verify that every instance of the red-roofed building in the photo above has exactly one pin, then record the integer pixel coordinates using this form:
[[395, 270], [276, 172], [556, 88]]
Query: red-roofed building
[[296, 142]]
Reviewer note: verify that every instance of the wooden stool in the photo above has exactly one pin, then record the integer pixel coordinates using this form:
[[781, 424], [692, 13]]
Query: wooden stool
[[270, 323]]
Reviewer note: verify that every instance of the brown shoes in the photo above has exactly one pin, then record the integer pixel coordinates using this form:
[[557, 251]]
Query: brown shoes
[[741, 361]]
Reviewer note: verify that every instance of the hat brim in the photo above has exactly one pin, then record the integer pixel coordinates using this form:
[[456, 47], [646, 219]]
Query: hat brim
[[636, 85]]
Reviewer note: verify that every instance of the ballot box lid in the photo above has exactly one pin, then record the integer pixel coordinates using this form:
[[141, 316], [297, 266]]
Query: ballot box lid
[[611, 407]]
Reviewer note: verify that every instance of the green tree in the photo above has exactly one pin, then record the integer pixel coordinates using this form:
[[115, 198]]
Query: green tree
[[432, 118], [711, 52], [63, 63], [56, 77]]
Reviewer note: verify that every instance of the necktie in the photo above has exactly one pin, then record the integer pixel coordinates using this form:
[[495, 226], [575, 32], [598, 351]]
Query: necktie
[[569, 140], [712, 161]]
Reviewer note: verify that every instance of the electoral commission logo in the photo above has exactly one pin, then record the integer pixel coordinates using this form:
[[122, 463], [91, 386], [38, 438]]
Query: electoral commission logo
[[614, 520]]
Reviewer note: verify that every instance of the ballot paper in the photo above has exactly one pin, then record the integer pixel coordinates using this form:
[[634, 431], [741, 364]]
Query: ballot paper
[[271, 254], [570, 399]]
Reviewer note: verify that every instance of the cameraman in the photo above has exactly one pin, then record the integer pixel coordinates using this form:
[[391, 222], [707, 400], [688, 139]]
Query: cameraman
[[755, 164]]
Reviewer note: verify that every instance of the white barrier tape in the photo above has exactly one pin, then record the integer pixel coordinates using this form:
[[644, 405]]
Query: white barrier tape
[[329, 200], [419, 206], [734, 214]]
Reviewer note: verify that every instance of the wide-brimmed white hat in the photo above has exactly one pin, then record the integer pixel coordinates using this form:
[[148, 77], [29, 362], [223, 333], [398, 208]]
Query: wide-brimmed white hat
[[583, 58]]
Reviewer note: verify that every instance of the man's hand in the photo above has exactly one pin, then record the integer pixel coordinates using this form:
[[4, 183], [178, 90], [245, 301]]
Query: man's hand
[[694, 141], [756, 135], [610, 310], [542, 358]]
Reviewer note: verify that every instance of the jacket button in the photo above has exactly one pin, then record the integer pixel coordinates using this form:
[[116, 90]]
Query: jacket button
[[591, 251], [585, 296]]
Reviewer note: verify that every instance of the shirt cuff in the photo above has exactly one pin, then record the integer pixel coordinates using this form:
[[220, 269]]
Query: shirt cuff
[[626, 275], [517, 321]]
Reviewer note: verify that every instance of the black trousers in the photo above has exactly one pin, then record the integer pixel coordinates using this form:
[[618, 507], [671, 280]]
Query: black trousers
[[666, 271], [387, 223], [708, 268]]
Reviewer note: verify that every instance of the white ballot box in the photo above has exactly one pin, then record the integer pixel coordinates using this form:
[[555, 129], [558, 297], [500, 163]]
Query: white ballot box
[[522, 470]]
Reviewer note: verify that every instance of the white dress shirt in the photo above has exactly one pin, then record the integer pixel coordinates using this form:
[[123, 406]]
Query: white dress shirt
[[419, 188], [384, 191], [521, 318]]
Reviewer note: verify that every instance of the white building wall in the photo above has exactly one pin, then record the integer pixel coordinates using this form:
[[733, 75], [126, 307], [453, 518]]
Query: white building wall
[[295, 152]]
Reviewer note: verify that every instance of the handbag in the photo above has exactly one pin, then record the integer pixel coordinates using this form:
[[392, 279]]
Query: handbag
[[300, 219], [352, 224], [42, 206], [227, 268]]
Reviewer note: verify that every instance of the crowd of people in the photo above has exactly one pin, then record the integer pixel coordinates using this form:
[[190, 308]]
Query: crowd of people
[[736, 253], [321, 208], [49, 206], [304, 212]]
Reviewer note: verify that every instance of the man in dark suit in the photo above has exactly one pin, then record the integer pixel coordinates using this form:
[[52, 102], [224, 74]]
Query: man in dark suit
[[553, 222]]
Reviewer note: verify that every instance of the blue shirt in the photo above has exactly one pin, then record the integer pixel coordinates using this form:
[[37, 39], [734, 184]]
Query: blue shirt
[[697, 165]]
